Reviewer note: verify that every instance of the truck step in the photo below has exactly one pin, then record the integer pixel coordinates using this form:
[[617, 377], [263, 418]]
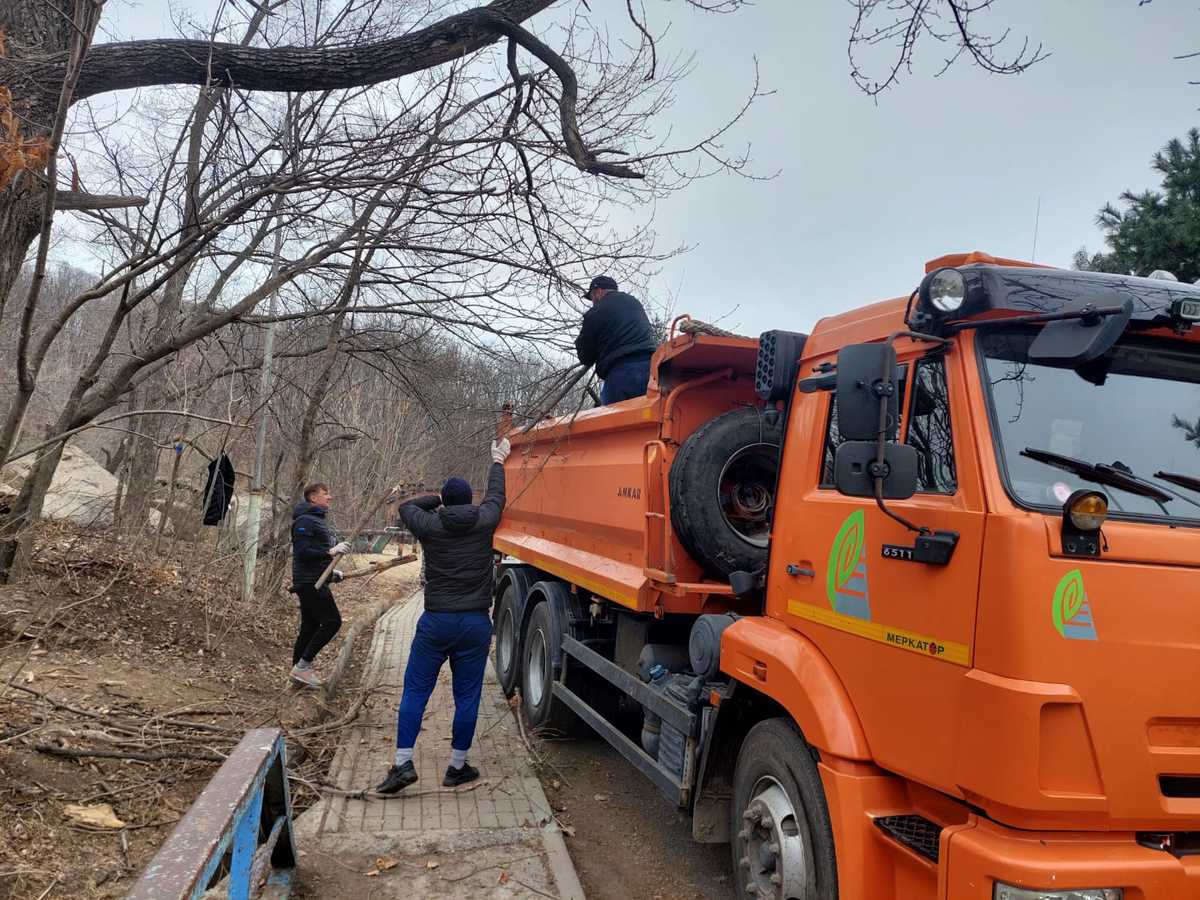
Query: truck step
[[914, 832]]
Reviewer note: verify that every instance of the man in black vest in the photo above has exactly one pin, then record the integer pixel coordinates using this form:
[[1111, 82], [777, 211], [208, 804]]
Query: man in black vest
[[312, 549], [617, 339]]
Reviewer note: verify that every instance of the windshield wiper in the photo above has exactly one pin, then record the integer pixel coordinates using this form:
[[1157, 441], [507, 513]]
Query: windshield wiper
[[1099, 473], [1184, 481]]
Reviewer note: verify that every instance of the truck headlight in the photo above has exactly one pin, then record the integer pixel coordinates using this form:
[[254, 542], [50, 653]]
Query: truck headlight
[[946, 290], [1008, 892]]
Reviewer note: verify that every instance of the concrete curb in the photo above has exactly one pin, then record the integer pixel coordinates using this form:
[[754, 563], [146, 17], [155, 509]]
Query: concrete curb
[[562, 867], [374, 613]]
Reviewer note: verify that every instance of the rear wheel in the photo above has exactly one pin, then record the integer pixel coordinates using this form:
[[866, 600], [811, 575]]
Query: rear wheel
[[507, 652], [782, 838], [542, 650]]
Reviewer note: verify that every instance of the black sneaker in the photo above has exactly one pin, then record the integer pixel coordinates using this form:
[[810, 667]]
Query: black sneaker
[[398, 778], [455, 777]]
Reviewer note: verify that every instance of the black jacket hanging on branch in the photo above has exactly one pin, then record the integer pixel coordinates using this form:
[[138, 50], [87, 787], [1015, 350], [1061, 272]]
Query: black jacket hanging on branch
[[218, 489]]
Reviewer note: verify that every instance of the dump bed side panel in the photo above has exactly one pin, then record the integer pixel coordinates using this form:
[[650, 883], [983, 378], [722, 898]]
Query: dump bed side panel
[[587, 494]]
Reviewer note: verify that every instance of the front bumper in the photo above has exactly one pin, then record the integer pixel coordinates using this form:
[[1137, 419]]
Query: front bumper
[[980, 852]]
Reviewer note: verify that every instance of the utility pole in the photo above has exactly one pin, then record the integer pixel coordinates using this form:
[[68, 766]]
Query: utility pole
[[257, 488]]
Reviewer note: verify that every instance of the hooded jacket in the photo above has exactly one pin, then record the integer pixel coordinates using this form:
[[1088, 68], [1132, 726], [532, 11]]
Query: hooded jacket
[[311, 540], [456, 542], [614, 328]]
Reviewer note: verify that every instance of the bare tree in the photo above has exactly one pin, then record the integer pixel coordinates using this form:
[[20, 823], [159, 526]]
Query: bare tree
[[449, 198], [892, 30]]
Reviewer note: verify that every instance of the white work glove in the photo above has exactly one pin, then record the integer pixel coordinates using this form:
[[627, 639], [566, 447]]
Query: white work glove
[[500, 450], [340, 549], [337, 575]]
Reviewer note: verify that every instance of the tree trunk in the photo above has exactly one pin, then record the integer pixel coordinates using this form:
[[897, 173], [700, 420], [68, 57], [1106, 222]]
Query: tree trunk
[[143, 477], [26, 510], [32, 30]]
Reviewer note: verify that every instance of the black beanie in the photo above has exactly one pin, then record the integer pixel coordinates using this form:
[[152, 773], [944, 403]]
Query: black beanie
[[456, 491]]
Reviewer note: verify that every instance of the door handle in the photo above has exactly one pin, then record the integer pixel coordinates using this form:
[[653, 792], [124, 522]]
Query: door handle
[[801, 570]]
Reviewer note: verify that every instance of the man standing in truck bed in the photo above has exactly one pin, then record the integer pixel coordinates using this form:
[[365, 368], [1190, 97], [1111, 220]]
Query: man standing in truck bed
[[617, 339]]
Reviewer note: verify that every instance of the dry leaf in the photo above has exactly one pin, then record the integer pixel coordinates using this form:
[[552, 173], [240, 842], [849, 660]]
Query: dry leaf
[[432, 864], [371, 873], [601, 797], [101, 815], [503, 878], [385, 862]]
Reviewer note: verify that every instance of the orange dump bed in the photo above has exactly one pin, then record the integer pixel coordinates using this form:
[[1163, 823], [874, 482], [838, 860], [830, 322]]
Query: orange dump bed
[[588, 497]]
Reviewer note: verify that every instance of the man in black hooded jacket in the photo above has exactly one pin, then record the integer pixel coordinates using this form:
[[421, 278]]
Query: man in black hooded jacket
[[456, 543], [312, 548]]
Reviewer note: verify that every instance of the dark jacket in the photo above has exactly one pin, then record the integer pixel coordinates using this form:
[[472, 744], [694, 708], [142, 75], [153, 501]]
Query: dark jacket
[[311, 540], [456, 542], [218, 490], [614, 328]]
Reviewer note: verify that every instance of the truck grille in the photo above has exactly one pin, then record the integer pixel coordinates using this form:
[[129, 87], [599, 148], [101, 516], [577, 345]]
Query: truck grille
[[915, 832]]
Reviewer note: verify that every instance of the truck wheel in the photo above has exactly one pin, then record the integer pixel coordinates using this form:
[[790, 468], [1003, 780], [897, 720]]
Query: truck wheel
[[542, 642], [507, 652], [782, 839], [722, 487]]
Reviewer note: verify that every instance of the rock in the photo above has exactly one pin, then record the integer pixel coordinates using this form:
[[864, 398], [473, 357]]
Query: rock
[[82, 490], [240, 510], [153, 517], [101, 815], [8, 494]]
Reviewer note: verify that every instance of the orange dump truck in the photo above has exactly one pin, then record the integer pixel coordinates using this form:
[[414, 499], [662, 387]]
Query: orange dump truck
[[908, 607]]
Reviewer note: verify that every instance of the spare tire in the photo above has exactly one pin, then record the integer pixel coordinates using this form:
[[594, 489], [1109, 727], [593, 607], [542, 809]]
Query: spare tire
[[722, 487]]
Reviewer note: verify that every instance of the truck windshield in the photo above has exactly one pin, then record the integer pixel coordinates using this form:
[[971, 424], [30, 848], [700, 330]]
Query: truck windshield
[[1136, 408]]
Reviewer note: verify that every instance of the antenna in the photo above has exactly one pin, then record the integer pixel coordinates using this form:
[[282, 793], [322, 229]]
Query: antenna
[[1036, 221]]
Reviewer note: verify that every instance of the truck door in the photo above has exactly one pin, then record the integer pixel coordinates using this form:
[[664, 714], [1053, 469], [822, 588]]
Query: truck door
[[898, 632]]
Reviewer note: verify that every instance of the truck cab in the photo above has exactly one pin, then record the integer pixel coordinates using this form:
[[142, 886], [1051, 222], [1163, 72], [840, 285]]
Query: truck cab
[[968, 665]]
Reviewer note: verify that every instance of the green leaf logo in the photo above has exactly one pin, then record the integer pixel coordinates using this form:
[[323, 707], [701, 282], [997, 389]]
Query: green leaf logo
[[1069, 598], [844, 555]]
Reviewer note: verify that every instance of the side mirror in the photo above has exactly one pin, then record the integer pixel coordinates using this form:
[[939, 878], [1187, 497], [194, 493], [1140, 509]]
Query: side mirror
[[861, 386], [854, 469]]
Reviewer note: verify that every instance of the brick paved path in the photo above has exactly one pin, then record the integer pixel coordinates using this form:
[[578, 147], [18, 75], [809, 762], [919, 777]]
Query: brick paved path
[[494, 838]]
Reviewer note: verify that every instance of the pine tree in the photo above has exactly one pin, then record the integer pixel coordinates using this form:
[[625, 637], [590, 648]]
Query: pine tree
[[1155, 229]]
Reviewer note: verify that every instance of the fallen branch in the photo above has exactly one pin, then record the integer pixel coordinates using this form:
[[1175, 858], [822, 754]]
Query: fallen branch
[[116, 722], [52, 750], [536, 758], [375, 568], [505, 864]]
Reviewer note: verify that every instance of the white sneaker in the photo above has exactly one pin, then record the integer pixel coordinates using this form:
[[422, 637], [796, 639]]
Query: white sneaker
[[305, 677]]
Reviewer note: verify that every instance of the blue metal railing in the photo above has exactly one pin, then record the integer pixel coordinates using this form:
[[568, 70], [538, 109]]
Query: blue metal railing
[[240, 826]]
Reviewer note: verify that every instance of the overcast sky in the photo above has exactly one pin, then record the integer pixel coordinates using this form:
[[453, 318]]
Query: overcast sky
[[868, 191]]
